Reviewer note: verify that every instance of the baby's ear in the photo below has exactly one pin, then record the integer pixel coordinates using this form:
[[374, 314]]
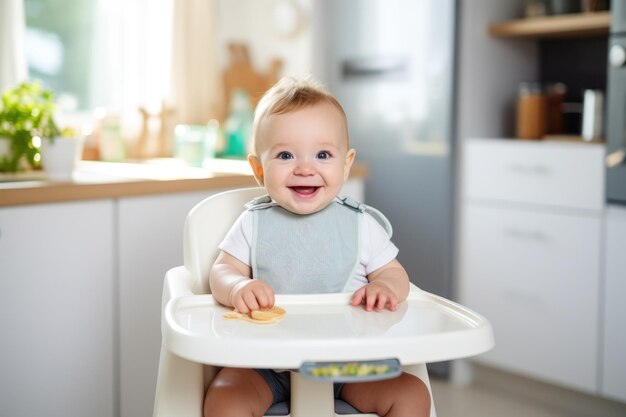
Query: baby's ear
[[257, 169], [348, 163]]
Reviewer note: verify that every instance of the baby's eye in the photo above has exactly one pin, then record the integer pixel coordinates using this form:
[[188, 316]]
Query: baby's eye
[[323, 155], [285, 155]]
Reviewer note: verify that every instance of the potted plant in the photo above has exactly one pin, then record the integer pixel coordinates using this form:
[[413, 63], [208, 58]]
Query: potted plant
[[26, 112], [59, 155]]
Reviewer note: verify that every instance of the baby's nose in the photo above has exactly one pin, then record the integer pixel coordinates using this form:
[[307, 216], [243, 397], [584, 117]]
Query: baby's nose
[[304, 167]]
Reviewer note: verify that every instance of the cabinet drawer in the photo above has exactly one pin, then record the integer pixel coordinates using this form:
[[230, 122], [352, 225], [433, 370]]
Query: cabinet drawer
[[535, 276], [546, 173]]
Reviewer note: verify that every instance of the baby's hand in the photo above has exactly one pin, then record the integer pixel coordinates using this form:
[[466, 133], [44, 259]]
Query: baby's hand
[[251, 295], [375, 295]]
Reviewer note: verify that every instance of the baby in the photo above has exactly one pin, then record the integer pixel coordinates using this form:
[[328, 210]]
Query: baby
[[303, 238]]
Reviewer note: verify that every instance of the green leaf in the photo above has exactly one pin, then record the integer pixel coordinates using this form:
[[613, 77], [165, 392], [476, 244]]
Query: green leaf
[[26, 110]]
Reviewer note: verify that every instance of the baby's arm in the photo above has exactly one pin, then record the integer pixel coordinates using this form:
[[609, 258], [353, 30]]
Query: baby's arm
[[388, 286], [232, 285]]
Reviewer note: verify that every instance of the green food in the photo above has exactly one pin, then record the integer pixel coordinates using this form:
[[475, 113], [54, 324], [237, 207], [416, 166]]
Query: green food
[[349, 369]]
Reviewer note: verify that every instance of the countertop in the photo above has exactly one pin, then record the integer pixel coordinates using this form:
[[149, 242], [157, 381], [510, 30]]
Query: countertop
[[97, 180]]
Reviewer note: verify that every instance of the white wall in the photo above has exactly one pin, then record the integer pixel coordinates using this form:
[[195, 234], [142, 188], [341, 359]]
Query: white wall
[[490, 69], [252, 22]]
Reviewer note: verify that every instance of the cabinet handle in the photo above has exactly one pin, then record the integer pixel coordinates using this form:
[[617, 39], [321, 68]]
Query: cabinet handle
[[617, 56], [532, 235], [530, 169], [375, 67], [616, 158]]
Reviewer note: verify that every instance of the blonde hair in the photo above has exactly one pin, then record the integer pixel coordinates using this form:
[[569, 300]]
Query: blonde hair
[[290, 94]]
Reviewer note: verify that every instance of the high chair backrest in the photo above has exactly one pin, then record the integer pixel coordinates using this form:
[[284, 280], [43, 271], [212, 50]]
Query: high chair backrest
[[205, 227]]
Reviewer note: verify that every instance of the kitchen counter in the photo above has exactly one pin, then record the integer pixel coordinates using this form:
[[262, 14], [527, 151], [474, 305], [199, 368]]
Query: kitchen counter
[[97, 180]]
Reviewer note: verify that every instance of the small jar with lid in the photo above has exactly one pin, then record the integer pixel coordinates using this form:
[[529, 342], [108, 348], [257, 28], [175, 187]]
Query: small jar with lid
[[531, 111], [555, 104]]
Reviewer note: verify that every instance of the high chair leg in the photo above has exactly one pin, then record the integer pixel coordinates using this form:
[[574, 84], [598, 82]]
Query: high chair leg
[[180, 385], [311, 398]]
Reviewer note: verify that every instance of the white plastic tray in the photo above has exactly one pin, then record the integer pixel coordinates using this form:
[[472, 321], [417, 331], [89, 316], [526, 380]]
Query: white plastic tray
[[425, 328]]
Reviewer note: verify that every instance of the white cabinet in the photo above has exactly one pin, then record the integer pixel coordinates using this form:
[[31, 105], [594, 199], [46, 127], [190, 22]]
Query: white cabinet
[[531, 230], [56, 314], [150, 242], [614, 343]]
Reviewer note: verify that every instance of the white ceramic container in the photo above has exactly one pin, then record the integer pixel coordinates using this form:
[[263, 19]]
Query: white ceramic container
[[60, 156]]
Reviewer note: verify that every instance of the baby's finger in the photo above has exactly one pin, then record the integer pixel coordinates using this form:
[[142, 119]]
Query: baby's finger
[[382, 301], [370, 300], [251, 302], [357, 297], [264, 294], [240, 305], [268, 294], [262, 297], [392, 303]]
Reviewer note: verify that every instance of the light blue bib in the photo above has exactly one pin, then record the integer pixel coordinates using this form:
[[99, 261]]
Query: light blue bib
[[307, 254]]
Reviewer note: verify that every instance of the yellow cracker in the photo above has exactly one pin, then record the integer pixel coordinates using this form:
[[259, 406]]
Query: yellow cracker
[[267, 313], [251, 320], [263, 316]]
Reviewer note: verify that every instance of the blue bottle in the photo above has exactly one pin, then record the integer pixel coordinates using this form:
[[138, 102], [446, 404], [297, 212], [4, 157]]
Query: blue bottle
[[238, 126]]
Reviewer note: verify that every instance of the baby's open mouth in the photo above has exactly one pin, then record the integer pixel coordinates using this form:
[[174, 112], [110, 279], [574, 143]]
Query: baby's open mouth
[[304, 190]]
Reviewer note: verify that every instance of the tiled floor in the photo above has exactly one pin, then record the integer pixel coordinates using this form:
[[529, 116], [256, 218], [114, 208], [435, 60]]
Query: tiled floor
[[497, 394], [478, 401]]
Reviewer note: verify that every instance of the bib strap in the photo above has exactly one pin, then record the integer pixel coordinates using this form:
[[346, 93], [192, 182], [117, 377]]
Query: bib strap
[[260, 202], [364, 208], [265, 201]]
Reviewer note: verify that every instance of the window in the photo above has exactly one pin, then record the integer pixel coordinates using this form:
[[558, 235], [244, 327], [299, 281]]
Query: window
[[58, 38], [100, 53]]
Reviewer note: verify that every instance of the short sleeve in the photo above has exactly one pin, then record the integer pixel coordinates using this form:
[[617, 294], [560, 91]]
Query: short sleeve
[[238, 240], [378, 249]]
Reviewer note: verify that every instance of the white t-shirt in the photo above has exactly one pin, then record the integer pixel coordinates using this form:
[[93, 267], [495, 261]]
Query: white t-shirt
[[376, 248]]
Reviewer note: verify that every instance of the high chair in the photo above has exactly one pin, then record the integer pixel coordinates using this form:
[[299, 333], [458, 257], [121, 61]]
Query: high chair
[[197, 339]]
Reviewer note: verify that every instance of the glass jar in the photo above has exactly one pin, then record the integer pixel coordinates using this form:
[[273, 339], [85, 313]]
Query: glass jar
[[531, 111], [555, 99], [535, 8]]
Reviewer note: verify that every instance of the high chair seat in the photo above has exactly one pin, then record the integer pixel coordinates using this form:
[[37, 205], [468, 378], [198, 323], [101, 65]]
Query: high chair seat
[[317, 328]]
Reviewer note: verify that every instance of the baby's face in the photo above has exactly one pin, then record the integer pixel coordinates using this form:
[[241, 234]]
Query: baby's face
[[303, 157]]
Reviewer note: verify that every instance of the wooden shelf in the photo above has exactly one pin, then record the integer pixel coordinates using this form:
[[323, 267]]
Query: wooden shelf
[[564, 26]]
